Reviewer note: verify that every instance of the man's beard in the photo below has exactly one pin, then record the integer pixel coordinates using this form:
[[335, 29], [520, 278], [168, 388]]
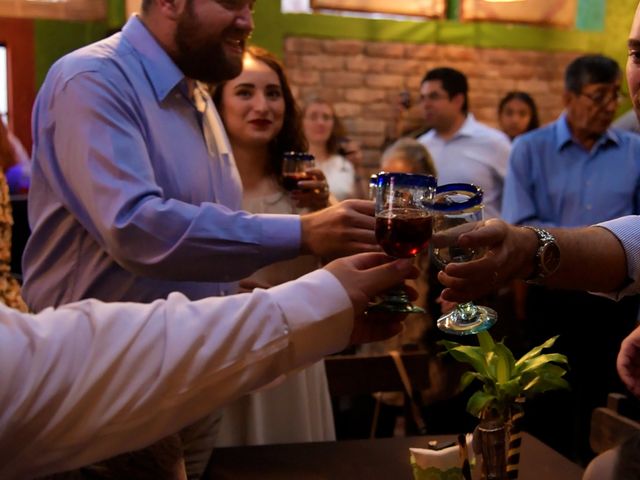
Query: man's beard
[[202, 58]]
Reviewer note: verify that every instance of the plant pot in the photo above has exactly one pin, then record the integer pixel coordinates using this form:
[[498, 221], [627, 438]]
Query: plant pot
[[498, 444], [491, 440]]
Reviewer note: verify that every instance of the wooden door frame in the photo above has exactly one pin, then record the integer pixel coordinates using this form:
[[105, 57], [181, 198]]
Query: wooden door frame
[[17, 35]]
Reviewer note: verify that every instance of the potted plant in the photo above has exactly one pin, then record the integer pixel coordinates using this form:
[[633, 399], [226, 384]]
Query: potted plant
[[506, 383]]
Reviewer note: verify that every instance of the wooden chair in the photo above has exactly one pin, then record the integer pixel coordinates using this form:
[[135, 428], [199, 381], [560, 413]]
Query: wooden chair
[[613, 424], [352, 375]]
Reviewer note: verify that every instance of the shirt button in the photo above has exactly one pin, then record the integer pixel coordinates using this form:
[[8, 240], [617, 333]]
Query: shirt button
[[588, 207]]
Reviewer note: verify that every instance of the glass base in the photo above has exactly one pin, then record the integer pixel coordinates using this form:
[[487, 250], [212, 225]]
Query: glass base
[[395, 307], [467, 319]]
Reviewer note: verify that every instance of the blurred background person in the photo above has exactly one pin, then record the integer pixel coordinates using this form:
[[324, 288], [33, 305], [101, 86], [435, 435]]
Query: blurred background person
[[336, 155], [463, 149], [263, 122], [517, 114], [16, 163], [407, 155], [628, 121]]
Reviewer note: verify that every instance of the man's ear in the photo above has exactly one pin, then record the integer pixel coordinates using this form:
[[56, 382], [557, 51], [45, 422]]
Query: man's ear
[[458, 100], [567, 97], [170, 8]]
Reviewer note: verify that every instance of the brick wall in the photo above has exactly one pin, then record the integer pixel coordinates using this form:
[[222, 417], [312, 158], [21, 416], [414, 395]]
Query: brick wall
[[363, 79]]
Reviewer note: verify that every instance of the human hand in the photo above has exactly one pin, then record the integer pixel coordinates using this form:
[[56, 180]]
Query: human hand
[[312, 194], [509, 254], [342, 229], [350, 149], [365, 276], [628, 362]]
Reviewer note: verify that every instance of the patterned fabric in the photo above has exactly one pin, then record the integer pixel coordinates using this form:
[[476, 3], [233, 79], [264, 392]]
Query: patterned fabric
[[9, 286]]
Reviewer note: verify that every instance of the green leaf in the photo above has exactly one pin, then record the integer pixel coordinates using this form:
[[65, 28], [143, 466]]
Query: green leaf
[[467, 378], [479, 402], [541, 385], [536, 351], [505, 363], [467, 354], [511, 389], [536, 362], [485, 340]]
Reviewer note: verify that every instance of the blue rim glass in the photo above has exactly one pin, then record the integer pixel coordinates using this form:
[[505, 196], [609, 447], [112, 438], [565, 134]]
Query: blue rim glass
[[407, 180], [474, 200]]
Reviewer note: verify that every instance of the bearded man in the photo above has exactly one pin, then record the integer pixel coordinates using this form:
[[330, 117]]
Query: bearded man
[[135, 192]]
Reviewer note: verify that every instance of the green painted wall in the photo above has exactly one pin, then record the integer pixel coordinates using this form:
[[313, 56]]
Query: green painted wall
[[54, 39]]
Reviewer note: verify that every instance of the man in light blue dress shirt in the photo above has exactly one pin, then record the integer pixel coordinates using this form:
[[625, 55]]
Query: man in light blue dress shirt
[[574, 172], [130, 199], [463, 149]]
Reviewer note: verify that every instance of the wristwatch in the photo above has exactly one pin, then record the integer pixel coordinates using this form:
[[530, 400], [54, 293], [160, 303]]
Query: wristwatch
[[547, 259]]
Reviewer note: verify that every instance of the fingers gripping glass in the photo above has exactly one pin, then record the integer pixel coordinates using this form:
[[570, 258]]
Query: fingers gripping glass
[[457, 209], [403, 225]]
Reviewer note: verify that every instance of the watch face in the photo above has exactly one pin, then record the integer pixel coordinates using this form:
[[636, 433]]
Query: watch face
[[550, 258]]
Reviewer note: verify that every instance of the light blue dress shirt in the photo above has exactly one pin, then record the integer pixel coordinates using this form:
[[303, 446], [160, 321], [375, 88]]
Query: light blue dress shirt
[[553, 181], [476, 154], [126, 202]]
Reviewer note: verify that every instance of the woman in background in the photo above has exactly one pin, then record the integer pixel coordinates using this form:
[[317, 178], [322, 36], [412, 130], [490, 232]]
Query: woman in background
[[262, 122], [517, 114], [407, 155], [336, 155]]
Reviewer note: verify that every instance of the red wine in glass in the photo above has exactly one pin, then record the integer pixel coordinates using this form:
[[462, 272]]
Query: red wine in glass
[[403, 233], [290, 180]]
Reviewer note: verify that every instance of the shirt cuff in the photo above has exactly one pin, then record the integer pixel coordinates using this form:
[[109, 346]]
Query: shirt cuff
[[319, 315], [281, 235], [626, 231]]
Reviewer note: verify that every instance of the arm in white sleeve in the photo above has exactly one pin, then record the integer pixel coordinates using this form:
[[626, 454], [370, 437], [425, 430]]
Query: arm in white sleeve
[[91, 380]]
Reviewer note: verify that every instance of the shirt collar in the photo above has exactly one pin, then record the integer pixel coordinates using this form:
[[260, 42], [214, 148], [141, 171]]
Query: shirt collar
[[466, 130], [162, 73], [563, 134], [468, 126]]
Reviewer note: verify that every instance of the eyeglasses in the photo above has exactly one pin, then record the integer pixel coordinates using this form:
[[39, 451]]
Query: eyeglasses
[[601, 98]]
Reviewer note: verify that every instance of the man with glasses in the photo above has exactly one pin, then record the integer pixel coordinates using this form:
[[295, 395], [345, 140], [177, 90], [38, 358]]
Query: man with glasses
[[577, 171], [463, 149]]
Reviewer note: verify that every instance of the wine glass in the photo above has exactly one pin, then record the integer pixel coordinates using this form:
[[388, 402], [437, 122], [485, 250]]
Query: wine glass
[[403, 225], [297, 166], [457, 209]]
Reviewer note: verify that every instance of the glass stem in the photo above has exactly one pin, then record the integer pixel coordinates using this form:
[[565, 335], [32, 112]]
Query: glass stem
[[467, 312]]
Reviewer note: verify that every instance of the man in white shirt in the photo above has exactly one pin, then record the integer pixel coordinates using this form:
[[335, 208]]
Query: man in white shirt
[[464, 150], [91, 380]]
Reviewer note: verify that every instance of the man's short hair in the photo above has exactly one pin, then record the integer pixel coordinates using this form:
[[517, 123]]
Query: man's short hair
[[589, 69], [145, 5], [453, 82]]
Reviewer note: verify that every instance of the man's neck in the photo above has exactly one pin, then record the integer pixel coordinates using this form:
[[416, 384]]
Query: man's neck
[[451, 130], [584, 138], [253, 164]]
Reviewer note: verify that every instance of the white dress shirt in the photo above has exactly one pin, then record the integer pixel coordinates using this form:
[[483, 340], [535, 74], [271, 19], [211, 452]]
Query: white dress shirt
[[476, 154], [91, 380]]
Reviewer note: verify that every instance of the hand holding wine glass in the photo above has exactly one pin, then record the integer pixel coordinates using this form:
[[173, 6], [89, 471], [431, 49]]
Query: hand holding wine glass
[[403, 224], [306, 182], [458, 209]]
